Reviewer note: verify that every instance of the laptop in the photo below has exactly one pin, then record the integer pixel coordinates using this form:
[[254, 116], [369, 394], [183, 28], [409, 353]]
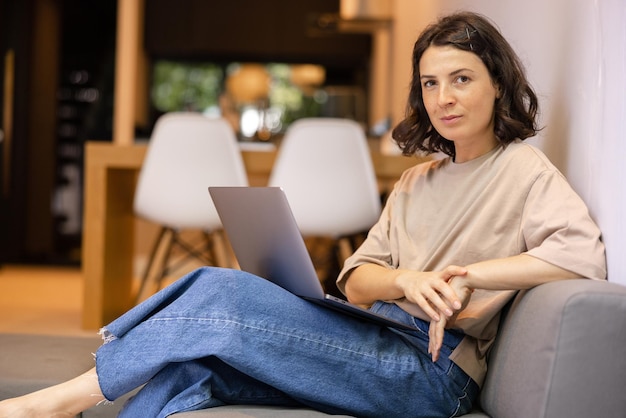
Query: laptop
[[267, 242]]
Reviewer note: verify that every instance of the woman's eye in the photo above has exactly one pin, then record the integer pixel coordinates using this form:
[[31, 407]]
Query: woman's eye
[[428, 83], [462, 79]]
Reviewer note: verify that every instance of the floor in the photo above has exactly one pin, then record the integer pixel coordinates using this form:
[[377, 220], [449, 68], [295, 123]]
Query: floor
[[41, 300], [48, 299]]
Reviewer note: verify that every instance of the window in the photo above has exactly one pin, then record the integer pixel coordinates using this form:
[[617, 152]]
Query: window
[[260, 100]]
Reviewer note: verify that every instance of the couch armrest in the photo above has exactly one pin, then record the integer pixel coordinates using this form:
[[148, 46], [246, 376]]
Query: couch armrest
[[560, 353]]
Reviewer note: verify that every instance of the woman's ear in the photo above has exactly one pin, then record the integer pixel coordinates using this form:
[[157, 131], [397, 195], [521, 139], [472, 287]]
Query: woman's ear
[[498, 91]]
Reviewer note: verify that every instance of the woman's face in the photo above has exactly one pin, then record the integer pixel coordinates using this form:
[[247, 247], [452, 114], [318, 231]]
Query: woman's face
[[459, 97]]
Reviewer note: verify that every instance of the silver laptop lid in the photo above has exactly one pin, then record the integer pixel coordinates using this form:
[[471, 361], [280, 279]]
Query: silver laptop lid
[[265, 237]]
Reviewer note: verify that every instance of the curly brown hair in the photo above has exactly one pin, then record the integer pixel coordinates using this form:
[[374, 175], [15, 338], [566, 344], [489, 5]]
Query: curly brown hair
[[515, 110]]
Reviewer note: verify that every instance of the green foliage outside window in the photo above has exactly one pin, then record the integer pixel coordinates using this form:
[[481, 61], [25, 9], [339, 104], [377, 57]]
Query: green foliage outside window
[[186, 86], [182, 86]]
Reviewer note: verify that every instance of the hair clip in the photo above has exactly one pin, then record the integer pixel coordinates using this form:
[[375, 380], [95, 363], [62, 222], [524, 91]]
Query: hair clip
[[465, 38], [469, 37]]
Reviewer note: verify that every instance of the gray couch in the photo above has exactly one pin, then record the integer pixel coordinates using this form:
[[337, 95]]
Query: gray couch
[[561, 353]]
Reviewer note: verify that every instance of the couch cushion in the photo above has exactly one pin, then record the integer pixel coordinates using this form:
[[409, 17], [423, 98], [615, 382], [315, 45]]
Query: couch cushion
[[560, 353]]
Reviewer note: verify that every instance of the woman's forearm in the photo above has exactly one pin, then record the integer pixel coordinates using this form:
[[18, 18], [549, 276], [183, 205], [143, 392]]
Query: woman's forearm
[[513, 273], [371, 282], [428, 290]]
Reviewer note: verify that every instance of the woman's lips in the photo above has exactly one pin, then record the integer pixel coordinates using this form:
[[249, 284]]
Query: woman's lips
[[448, 120]]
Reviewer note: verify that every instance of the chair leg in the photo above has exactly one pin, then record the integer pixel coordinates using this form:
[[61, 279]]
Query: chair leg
[[165, 260], [215, 250], [345, 249], [160, 240], [191, 250], [221, 251]]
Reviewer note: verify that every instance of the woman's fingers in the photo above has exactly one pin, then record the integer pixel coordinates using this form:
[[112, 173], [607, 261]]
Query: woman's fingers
[[435, 338], [453, 270], [432, 292], [442, 297]]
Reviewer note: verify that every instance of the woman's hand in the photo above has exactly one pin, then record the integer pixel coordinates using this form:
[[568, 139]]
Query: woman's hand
[[432, 292], [435, 337], [441, 294], [437, 328]]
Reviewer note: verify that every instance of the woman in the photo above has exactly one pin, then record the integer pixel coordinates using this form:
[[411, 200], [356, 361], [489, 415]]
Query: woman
[[456, 239]]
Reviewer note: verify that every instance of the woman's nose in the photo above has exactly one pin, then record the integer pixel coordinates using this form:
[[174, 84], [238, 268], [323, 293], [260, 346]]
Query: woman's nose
[[446, 97]]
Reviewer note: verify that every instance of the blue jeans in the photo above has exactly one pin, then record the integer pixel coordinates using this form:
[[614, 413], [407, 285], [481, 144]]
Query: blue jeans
[[219, 336]]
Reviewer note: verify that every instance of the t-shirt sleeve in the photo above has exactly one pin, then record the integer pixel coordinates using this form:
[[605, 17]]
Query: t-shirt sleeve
[[376, 249], [558, 229]]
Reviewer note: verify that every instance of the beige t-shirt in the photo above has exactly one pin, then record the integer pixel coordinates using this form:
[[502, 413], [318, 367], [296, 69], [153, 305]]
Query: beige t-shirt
[[507, 202]]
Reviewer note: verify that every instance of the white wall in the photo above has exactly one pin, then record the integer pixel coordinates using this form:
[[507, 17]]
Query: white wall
[[575, 55]]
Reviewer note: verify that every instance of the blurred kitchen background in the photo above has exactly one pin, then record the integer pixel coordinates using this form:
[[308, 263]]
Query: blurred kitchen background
[[260, 64]]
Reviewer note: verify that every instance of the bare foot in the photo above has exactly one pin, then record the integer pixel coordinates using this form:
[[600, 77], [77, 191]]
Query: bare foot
[[35, 405], [27, 406], [65, 400]]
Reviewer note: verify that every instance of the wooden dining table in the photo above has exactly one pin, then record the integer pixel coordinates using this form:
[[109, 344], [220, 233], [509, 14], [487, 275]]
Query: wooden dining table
[[108, 218]]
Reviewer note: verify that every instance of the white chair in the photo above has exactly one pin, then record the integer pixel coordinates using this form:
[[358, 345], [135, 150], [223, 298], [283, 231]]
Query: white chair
[[187, 153], [325, 167]]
